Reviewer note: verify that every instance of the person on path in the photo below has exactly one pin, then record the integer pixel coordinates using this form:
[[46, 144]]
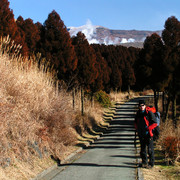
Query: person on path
[[145, 122]]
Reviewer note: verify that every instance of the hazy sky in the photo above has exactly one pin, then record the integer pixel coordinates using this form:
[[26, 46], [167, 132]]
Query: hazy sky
[[113, 14]]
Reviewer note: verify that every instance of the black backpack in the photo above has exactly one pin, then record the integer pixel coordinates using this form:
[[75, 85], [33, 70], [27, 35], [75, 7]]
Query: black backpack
[[156, 130]]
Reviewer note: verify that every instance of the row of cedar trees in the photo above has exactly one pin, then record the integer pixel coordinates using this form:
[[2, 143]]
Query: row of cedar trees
[[100, 67]]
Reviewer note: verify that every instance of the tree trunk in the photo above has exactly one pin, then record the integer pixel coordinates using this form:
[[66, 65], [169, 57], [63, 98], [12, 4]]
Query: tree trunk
[[92, 99], [73, 96], [174, 101], [116, 94], [167, 109], [155, 100], [174, 111], [163, 103], [129, 91], [82, 101]]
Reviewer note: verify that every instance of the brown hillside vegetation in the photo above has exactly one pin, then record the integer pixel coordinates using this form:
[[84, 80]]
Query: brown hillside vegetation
[[36, 120]]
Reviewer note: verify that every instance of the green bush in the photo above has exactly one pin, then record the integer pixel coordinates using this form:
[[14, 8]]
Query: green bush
[[103, 98]]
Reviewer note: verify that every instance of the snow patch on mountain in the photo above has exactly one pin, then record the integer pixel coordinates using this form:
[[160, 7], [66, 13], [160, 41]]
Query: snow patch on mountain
[[130, 40], [90, 31], [101, 35]]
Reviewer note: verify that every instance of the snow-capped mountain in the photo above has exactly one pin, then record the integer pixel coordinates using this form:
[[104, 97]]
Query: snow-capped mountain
[[102, 35]]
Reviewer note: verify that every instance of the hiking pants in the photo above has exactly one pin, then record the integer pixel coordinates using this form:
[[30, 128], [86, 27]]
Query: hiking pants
[[147, 143]]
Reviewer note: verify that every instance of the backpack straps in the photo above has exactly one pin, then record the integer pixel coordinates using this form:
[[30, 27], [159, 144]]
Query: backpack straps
[[153, 109], [152, 126], [146, 121]]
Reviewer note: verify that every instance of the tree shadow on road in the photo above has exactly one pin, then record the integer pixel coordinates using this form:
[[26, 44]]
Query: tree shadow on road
[[121, 128], [127, 165]]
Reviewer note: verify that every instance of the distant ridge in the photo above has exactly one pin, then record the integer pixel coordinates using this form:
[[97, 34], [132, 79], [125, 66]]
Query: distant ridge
[[102, 35]]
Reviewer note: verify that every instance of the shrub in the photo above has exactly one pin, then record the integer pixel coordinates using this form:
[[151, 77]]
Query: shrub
[[103, 98], [171, 148]]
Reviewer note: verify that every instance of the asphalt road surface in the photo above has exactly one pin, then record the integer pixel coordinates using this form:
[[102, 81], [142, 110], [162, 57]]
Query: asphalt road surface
[[112, 157]]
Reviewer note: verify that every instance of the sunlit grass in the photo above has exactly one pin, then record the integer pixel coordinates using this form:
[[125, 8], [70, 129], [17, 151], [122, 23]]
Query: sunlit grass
[[34, 112]]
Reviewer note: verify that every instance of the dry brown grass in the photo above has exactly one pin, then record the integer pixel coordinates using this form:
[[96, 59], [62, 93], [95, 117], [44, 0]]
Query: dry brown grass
[[169, 142], [122, 96], [36, 120], [154, 174]]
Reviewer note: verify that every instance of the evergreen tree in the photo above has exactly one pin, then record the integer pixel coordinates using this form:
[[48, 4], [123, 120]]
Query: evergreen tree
[[171, 38], [8, 25], [103, 69], [149, 67], [31, 33], [56, 46], [19, 22], [116, 77], [129, 76], [126, 66], [41, 32], [7, 21], [87, 71], [114, 59]]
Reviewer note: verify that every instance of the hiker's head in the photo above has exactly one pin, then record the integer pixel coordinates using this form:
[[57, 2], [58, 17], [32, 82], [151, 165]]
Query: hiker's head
[[142, 105]]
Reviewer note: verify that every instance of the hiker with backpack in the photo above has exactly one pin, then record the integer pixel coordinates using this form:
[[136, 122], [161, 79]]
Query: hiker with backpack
[[145, 123]]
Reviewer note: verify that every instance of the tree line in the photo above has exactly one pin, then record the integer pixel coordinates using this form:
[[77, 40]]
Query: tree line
[[100, 67], [93, 67], [158, 65]]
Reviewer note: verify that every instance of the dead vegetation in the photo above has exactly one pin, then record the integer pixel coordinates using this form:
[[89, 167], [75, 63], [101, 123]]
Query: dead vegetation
[[37, 121]]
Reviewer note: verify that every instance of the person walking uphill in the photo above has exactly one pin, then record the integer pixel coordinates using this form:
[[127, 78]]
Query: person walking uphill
[[145, 122]]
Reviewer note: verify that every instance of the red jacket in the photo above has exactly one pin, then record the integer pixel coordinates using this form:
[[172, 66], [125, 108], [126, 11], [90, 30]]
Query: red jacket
[[145, 121]]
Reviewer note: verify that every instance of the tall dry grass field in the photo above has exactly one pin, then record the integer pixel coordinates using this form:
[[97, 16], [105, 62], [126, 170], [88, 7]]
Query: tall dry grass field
[[34, 117], [36, 120]]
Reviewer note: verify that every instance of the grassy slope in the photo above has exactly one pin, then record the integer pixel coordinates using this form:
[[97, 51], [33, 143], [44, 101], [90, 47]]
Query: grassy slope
[[36, 120]]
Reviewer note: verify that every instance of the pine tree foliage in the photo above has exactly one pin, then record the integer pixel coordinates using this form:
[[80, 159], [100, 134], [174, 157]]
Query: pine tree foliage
[[56, 46], [103, 71], [87, 71], [171, 38], [29, 32], [150, 66], [8, 26]]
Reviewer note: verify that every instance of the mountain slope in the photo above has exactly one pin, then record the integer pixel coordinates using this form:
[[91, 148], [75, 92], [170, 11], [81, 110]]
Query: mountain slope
[[102, 35]]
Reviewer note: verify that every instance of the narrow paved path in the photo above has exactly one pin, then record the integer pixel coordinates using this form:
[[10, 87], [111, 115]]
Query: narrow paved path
[[112, 157]]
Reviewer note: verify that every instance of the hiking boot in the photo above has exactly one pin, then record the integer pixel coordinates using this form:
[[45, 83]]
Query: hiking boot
[[149, 166], [144, 165]]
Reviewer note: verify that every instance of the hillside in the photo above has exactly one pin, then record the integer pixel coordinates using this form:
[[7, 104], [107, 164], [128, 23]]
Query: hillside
[[37, 119]]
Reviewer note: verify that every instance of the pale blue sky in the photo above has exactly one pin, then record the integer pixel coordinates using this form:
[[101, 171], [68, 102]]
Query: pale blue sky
[[113, 14]]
